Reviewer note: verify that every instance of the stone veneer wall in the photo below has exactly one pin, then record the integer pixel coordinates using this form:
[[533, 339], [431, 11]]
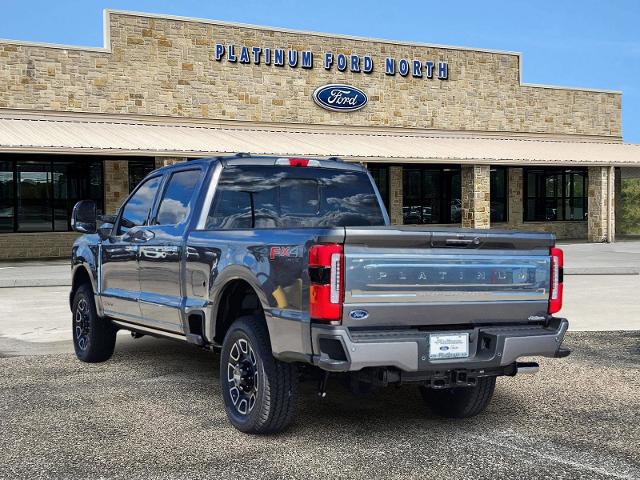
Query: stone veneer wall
[[599, 204], [116, 184], [162, 66], [24, 246], [395, 195], [475, 183]]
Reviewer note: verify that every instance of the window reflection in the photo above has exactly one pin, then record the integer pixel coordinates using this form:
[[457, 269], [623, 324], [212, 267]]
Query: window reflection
[[285, 197], [136, 210], [37, 192], [176, 202]]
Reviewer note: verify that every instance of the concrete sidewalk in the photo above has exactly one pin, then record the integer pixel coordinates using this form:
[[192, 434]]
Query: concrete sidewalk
[[620, 258], [37, 273]]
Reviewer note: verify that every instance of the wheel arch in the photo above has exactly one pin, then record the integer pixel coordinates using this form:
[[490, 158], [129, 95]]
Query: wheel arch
[[237, 296], [80, 276]]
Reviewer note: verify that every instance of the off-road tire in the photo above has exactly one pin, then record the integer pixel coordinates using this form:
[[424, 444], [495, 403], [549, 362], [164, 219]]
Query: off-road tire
[[276, 387], [460, 402], [94, 338]]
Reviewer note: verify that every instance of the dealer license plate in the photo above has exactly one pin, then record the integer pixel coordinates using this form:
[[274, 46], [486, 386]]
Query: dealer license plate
[[448, 345]]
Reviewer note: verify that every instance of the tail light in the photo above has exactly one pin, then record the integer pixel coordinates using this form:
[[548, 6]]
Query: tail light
[[557, 273], [326, 272]]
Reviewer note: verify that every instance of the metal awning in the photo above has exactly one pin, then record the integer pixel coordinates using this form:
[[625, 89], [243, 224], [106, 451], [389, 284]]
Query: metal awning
[[91, 135]]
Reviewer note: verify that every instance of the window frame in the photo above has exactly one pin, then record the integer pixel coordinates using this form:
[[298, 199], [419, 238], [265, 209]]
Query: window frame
[[564, 172]]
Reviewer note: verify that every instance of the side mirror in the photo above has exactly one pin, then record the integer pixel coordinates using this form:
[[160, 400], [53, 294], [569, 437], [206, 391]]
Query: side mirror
[[84, 217]]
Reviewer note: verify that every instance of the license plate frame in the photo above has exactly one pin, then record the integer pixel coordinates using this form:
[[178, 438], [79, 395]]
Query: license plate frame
[[448, 346]]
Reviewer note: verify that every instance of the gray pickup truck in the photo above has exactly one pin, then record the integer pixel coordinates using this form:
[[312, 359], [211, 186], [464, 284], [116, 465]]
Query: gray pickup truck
[[290, 265]]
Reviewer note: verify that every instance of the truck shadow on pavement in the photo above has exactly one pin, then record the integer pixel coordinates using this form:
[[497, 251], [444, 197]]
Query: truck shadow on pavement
[[161, 361]]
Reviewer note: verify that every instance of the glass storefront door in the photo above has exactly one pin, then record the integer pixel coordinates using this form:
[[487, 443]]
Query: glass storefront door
[[34, 197]]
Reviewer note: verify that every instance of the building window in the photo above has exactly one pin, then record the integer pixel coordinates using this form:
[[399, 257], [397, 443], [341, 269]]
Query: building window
[[38, 192], [431, 195], [380, 175], [499, 197], [138, 170], [7, 200], [554, 194]]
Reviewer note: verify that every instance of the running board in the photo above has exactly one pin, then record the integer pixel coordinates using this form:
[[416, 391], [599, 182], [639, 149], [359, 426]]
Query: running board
[[149, 331]]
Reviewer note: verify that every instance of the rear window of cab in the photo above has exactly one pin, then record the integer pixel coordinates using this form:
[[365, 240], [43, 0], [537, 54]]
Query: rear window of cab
[[293, 197]]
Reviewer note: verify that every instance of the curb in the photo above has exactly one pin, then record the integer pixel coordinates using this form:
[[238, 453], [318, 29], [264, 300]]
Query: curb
[[34, 283], [602, 271]]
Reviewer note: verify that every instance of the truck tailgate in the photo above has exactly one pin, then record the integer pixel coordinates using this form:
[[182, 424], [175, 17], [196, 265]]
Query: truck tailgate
[[416, 276]]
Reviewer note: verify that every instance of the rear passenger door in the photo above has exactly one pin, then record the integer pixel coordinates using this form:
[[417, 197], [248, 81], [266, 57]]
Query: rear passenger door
[[161, 255]]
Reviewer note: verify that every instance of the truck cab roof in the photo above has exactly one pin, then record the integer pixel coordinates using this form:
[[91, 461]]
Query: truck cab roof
[[264, 160]]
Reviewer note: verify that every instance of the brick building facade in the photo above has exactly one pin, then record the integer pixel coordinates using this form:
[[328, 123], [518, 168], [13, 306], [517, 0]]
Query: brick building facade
[[164, 89]]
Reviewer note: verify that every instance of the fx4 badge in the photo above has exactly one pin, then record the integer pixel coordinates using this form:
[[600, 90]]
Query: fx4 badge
[[284, 251]]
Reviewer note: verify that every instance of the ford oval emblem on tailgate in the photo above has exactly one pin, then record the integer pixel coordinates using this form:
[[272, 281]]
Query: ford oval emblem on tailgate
[[340, 98], [358, 314]]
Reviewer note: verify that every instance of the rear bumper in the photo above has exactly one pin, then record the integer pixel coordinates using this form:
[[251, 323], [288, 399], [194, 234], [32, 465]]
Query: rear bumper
[[340, 349]]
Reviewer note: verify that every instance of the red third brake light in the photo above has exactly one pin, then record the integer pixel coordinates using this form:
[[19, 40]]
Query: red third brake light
[[326, 272], [557, 273], [298, 162]]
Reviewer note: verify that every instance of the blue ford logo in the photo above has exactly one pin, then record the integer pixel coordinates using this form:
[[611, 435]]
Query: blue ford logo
[[444, 348], [340, 98], [358, 314]]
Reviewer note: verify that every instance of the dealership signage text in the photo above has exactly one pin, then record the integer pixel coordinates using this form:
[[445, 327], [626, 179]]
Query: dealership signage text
[[281, 57]]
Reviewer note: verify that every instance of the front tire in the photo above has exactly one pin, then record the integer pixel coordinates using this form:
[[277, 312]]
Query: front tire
[[94, 338], [460, 402], [260, 393]]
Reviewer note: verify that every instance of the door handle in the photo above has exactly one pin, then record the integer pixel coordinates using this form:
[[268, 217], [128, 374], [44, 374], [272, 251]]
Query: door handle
[[139, 236]]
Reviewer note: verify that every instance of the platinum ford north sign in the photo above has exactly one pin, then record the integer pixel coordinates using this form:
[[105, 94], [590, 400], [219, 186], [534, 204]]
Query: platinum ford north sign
[[340, 98], [305, 59]]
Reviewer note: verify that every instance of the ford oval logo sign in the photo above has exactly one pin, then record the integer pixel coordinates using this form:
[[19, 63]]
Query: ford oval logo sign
[[340, 98], [358, 314]]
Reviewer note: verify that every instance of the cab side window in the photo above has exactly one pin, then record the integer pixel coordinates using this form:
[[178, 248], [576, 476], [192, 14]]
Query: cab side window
[[177, 200], [136, 210]]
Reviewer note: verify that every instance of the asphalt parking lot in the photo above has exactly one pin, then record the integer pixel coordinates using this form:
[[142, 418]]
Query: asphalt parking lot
[[155, 411]]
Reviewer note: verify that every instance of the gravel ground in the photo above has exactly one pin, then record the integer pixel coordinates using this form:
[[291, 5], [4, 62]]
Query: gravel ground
[[155, 411]]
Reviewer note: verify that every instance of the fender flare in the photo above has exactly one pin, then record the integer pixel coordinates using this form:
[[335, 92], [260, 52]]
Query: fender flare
[[82, 258], [222, 281]]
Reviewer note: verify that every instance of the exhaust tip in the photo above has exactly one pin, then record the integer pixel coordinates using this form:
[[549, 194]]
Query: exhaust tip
[[527, 367]]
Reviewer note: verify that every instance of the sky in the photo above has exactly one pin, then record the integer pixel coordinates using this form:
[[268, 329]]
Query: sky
[[583, 43]]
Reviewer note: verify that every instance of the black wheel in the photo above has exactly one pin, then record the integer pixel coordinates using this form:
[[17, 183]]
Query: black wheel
[[260, 393], [461, 402], [94, 338]]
